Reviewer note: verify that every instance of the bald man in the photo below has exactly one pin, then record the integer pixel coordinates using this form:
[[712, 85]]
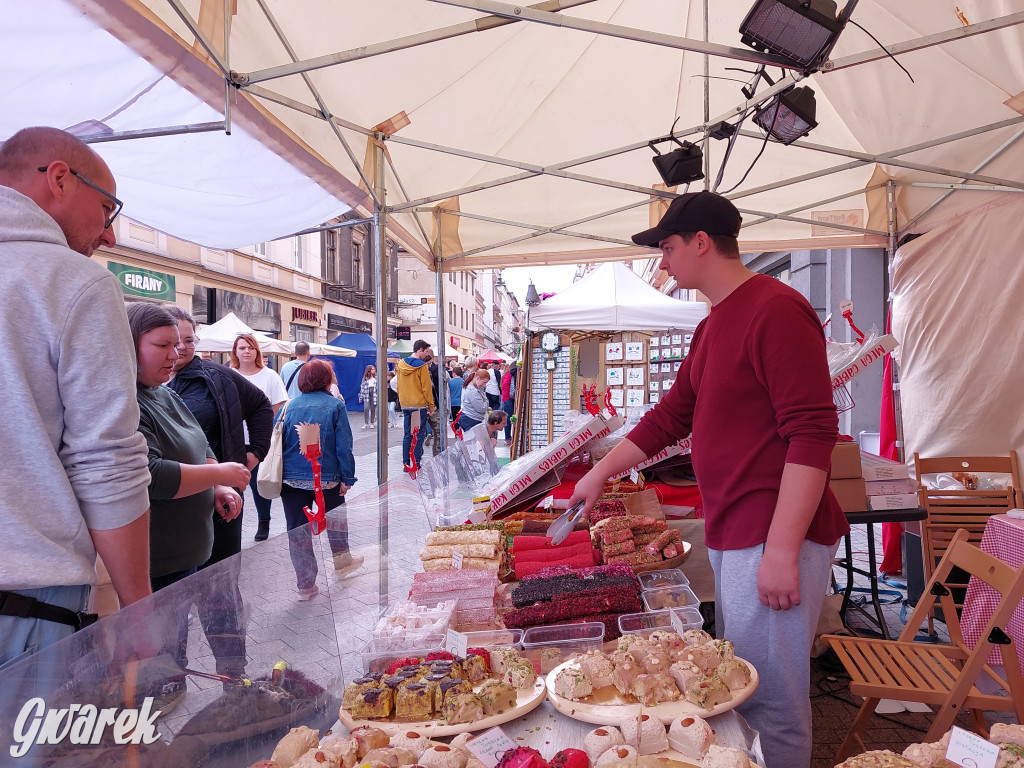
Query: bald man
[[73, 465]]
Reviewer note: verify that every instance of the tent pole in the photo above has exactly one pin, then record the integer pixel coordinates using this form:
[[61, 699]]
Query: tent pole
[[442, 388], [380, 247], [228, 87], [890, 253]]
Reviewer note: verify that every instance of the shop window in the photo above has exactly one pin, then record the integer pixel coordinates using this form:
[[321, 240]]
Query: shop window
[[782, 272], [297, 252], [302, 333]]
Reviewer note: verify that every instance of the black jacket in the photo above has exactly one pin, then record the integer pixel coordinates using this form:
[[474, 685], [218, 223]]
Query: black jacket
[[237, 400]]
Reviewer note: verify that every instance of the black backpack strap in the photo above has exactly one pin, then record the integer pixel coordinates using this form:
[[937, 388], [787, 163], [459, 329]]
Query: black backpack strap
[[294, 374]]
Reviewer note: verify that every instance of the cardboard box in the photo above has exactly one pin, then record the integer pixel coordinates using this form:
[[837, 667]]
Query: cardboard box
[[850, 494], [845, 461], [890, 487], [895, 501], [875, 468]]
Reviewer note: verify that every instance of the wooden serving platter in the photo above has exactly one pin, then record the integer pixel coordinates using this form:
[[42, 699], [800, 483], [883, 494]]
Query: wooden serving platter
[[526, 701], [606, 706]]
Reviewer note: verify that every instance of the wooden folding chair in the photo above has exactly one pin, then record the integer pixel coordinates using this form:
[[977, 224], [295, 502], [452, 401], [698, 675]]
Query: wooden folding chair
[[949, 511], [942, 676]]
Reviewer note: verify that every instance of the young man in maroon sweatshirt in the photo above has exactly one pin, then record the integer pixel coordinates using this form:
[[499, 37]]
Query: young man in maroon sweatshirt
[[755, 391]]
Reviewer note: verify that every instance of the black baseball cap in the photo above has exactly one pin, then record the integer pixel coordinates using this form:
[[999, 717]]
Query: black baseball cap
[[694, 212]]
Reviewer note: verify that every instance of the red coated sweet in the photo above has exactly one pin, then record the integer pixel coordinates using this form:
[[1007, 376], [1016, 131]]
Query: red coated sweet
[[570, 758], [522, 757], [483, 653], [440, 656], [407, 661]]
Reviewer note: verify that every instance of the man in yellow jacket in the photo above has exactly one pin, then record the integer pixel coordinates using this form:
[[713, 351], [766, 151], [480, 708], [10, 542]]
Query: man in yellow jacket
[[415, 394]]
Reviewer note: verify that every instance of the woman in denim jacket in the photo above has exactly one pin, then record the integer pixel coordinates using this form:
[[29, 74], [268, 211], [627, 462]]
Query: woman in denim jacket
[[316, 405]]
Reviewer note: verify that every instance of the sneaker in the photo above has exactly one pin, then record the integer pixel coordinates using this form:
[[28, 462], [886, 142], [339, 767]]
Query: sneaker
[[169, 695], [346, 564], [308, 593]]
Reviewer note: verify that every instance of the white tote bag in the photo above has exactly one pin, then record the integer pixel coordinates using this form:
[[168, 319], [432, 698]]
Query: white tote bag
[[271, 474]]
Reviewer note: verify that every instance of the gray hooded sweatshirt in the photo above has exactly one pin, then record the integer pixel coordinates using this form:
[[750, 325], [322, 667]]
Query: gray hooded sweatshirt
[[71, 455]]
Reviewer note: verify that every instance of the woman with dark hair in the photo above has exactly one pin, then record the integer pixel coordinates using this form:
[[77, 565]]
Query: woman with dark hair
[[187, 484], [316, 405], [247, 359]]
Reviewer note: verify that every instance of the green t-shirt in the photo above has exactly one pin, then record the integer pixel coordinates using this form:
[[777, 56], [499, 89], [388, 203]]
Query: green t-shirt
[[180, 530]]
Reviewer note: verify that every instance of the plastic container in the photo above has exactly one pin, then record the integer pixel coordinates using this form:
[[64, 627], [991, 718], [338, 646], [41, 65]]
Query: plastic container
[[645, 623], [378, 657], [670, 577], [547, 647], [669, 597], [408, 625], [492, 638]]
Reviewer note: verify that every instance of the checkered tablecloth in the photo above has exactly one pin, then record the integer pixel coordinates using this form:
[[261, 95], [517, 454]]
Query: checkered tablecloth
[[1004, 538]]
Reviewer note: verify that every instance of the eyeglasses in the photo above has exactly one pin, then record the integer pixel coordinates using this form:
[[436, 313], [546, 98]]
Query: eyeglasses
[[189, 342], [118, 205]]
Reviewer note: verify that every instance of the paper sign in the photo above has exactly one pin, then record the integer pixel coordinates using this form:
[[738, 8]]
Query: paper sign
[[613, 350], [970, 750], [456, 643], [457, 561], [635, 377], [677, 623], [676, 366], [634, 476], [655, 386], [677, 351], [845, 306], [617, 397], [666, 367], [634, 350], [665, 341], [654, 370], [490, 745], [614, 376], [677, 338], [655, 397], [547, 502], [634, 397], [655, 341]]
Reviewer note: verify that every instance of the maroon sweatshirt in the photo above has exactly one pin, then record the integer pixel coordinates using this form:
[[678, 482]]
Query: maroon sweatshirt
[[756, 393]]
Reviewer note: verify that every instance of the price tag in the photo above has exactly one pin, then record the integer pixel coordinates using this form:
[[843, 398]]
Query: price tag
[[634, 476], [490, 745], [457, 561], [677, 623], [970, 750], [456, 643], [845, 306], [547, 503]]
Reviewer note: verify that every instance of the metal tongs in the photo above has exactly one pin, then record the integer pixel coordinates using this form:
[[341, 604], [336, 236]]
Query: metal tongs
[[559, 530]]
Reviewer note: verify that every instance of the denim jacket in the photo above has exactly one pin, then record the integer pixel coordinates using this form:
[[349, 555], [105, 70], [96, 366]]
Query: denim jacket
[[336, 463]]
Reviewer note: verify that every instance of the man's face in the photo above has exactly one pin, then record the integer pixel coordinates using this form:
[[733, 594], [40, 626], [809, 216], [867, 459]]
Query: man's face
[[679, 259], [83, 211]]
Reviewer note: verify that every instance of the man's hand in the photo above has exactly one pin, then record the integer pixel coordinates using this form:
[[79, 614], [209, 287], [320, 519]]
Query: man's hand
[[343, 489], [588, 489], [227, 502], [778, 579], [251, 461]]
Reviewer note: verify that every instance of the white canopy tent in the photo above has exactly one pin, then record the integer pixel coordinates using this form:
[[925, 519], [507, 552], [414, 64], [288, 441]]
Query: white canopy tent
[[613, 298], [494, 135], [221, 335]]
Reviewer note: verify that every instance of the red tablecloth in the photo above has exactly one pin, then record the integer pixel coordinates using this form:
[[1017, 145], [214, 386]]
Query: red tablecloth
[[1004, 538]]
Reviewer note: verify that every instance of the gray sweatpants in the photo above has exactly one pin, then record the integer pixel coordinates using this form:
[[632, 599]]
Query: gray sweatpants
[[777, 643]]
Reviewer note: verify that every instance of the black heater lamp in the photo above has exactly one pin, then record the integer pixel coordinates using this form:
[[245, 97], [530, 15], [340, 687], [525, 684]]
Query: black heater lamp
[[802, 31], [680, 166], [789, 115]]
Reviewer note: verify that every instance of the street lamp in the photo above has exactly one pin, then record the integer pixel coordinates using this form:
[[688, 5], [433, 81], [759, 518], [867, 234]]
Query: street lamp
[[532, 297]]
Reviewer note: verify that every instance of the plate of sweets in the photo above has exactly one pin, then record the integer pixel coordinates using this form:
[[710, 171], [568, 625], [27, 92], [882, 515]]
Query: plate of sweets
[[441, 694], [670, 675]]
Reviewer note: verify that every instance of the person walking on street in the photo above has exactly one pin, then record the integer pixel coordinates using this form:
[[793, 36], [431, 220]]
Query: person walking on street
[[316, 405], [416, 395], [756, 393], [493, 385], [290, 370], [70, 436], [455, 387], [368, 397], [393, 406], [474, 401], [247, 359], [508, 397]]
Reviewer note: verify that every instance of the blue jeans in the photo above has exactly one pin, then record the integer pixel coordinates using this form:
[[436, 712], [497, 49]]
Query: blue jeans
[[175, 613], [300, 538], [509, 407], [407, 438], [20, 638]]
